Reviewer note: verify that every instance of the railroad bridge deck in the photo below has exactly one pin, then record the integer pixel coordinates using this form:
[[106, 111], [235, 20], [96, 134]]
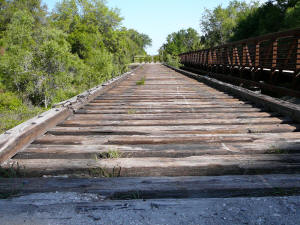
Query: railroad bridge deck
[[158, 122]]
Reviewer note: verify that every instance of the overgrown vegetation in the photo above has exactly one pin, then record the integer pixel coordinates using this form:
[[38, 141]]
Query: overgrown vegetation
[[111, 154], [275, 150], [141, 81], [131, 111], [146, 59], [156, 59], [273, 16], [13, 111], [179, 42], [218, 24], [103, 172], [239, 20], [48, 57], [14, 171]]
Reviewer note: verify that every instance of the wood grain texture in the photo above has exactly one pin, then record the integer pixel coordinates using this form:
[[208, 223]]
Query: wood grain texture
[[161, 187]]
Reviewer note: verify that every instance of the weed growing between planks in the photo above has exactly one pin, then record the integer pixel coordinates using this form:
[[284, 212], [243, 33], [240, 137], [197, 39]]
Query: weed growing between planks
[[131, 111], [111, 154], [275, 150], [13, 171], [141, 81], [103, 172]]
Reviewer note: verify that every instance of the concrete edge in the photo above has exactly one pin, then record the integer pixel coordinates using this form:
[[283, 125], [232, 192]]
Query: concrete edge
[[19, 137], [269, 103]]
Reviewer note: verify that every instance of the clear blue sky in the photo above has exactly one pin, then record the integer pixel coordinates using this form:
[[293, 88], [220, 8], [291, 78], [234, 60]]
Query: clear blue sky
[[158, 18]]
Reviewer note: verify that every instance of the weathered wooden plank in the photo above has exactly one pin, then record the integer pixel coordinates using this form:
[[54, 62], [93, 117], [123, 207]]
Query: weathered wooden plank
[[168, 106], [171, 116], [181, 129], [199, 138], [132, 139], [206, 165], [267, 146], [163, 98], [19, 137], [37, 151], [229, 121], [159, 111], [183, 106], [164, 138], [155, 187], [166, 150]]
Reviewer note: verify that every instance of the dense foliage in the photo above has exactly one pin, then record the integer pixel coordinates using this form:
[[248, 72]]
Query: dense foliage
[[48, 57], [239, 20], [218, 25], [143, 59], [271, 17], [178, 42]]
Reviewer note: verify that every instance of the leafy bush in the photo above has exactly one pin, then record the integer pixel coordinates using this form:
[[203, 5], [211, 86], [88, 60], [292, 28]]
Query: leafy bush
[[156, 58], [9, 101], [10, 119], [13, 111], [292, 17], [173, 61]]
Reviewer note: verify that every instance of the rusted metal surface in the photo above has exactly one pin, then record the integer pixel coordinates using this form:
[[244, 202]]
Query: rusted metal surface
[[171, 125], [273, 58]]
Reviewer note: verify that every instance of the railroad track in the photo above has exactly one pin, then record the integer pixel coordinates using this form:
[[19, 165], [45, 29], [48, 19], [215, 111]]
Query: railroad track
[[167, 135]]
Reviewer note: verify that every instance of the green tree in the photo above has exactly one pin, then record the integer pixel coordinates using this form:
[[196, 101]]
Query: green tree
[[9, 7], [141, 59], [179, 42], [47, 58], [156, 58], [218, 25], [37, 62], [91, 25], [292, 16], [182, 41], [142, 40], [15, 64], [265, 19]]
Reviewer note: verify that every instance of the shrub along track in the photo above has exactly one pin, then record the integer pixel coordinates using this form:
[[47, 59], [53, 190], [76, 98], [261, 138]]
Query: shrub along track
[[189, 139]]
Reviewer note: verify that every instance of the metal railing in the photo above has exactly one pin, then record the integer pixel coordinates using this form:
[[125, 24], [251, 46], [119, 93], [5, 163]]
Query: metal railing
[[274, 58]]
